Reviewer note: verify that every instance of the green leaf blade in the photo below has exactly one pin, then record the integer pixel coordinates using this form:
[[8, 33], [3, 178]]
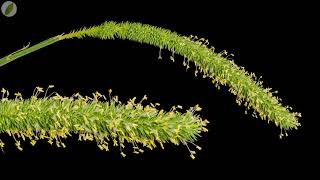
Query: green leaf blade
[[9, 9]]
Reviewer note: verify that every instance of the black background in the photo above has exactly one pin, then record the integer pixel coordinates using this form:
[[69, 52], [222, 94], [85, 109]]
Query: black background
[[268, 39]]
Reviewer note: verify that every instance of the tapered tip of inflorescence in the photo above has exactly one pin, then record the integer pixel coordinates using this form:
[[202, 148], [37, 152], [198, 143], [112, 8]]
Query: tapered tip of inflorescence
[[219, 67], [105, 120], [249, 89]]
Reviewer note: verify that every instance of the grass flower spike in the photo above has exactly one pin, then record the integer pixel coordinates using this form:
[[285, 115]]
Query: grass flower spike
[[107, 122], [56, 117]]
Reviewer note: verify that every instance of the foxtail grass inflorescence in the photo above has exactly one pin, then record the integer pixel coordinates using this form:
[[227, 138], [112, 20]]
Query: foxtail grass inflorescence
[[107, 121], [222, 71]]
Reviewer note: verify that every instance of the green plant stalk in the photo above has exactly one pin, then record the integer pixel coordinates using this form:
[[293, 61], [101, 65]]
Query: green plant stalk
[[27, 50]]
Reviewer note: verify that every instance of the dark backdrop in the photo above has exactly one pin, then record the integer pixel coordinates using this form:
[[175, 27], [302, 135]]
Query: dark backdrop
[[265, 38]]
